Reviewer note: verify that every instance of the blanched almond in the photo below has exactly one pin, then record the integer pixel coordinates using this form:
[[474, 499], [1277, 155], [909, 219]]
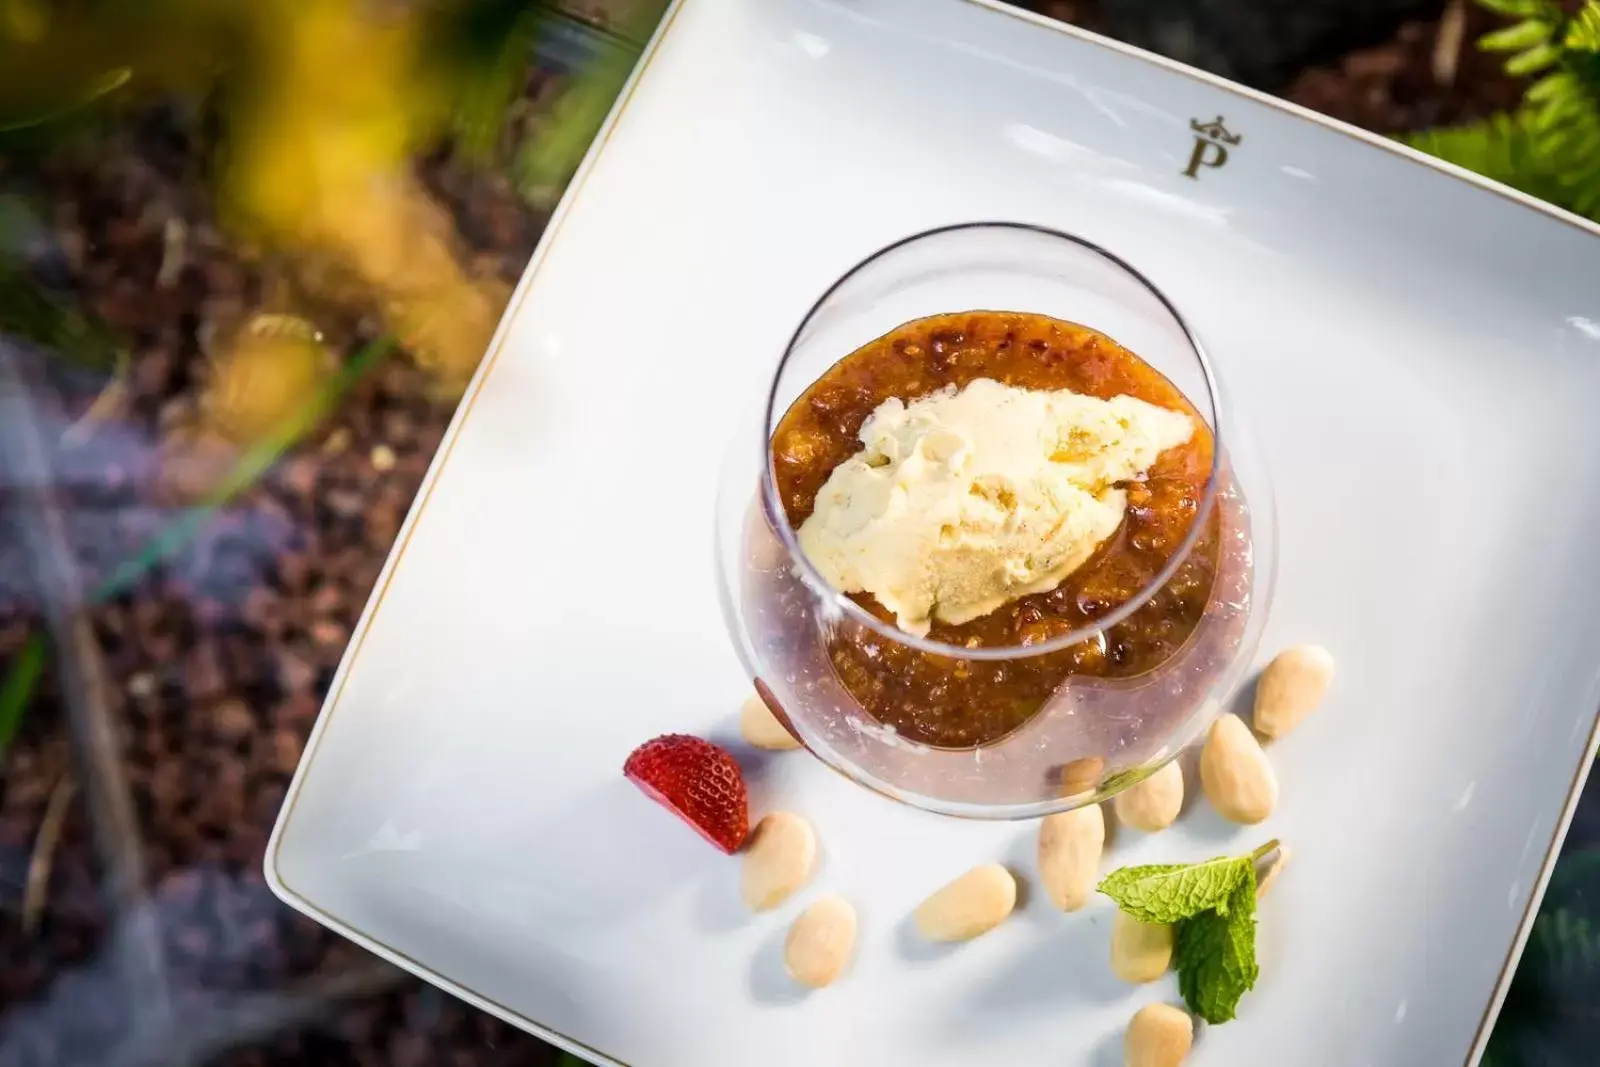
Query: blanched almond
[[820, 942], [1140, 952], [1070, 845], [1290, 688], [973, 904], [762, 729], [1159, 1036], [1154, 803], [1275, 867], [1080, 776], [1235, 773], [777, 861]]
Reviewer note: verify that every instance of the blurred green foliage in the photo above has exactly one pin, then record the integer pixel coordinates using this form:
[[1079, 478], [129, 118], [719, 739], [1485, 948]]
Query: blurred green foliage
[[1551, 1015], [1549, 147], [33, 313], [16, 690]]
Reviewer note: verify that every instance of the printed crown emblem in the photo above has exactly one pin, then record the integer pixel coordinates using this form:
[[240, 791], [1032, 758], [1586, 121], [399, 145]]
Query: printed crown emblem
[[1216, 131]]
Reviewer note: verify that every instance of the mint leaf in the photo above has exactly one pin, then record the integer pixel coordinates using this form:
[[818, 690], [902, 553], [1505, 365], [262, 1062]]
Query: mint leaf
[[1166, 893], [1213, 907], [1216, 954]]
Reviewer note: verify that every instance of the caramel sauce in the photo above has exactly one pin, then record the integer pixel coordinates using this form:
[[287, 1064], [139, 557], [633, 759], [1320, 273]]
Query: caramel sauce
[[949, 702]]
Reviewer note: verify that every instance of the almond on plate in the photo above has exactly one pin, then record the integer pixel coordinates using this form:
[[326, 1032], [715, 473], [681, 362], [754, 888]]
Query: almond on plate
[[761, 728], [820, 942], [973, 904], [779, 858]]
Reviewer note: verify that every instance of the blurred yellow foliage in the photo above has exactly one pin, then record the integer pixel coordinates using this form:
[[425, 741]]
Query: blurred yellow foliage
[[320, 162], [332, 115], [273, 371], [23, 21]]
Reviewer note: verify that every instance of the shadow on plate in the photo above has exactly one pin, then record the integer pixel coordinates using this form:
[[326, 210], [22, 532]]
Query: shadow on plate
[[1107, 1052], [1062, 963], [769, 980]]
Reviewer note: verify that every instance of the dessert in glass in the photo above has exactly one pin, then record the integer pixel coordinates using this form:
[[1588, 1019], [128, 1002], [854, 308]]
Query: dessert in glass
[[1000, 546]]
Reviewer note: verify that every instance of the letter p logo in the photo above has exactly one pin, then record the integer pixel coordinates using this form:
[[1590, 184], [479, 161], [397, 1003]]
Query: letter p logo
[[1211, 143]]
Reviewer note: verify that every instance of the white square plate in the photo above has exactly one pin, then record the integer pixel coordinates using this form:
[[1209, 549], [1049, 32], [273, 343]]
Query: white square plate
[[1418, 352]]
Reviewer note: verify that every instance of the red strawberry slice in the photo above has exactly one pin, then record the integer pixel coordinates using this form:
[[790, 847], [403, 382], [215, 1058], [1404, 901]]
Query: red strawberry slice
[[699, 782]]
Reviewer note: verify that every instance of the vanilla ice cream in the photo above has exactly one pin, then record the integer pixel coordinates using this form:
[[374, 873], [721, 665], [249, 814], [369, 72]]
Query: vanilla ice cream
[[962, 501]]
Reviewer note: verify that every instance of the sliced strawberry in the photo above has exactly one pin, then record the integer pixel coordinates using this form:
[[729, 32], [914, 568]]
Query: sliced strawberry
[[697, 780]]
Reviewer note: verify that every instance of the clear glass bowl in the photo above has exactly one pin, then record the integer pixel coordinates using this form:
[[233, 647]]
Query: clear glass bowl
[[1093, 736]]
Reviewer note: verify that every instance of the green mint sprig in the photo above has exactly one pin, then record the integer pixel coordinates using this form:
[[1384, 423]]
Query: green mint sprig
[[1216, 955], [1213, 906]]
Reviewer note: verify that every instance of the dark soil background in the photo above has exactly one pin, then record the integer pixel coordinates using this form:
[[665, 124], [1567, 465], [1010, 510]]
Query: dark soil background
[[219, 662]]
